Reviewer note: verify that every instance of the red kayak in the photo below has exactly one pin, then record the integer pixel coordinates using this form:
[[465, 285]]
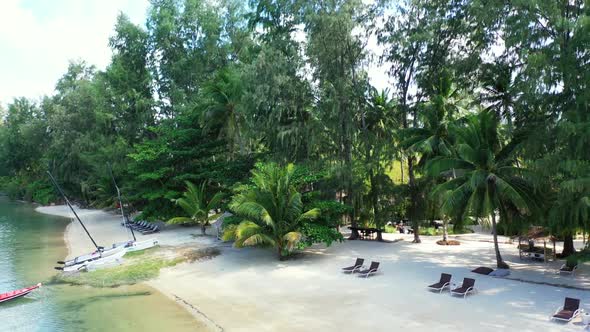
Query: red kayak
[[17, 293]]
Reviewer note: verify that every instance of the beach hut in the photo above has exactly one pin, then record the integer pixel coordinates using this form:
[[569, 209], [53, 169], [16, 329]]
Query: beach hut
[[527, 247]]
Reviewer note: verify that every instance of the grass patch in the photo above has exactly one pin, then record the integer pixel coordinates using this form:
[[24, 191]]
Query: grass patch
[[121, 275], [133, 254]]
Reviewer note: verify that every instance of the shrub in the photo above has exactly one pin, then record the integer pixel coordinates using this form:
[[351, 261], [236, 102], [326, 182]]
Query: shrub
[[13, 189], [318, 233], [41, 192]]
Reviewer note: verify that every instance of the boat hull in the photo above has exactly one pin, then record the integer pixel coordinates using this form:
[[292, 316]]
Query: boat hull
[[17, 293], [142, 245], [103, 263], [81, 263], [112, 253]]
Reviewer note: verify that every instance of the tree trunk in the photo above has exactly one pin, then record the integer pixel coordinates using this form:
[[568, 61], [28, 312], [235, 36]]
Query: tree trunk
[[401, 168], [203, 229], [280, 252], [445, 234], [568, 246], [375, 199], [413, 196], [500, 263]]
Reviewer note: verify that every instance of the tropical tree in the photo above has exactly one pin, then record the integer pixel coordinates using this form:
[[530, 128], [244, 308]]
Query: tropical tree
[[272, 211], [487, 182], [223, 94], [336, 48], [197, 206], [431, 138], [377, 124]]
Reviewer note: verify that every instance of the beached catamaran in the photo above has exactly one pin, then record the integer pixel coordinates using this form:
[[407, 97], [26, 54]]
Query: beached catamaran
[[101, 257], [131, 245], [81, 262]]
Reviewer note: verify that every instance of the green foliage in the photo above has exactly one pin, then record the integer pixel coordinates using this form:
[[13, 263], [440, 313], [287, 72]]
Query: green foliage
[[272, 211], [139, 271], [486, 180], [318, 233], [232, 220], [12, 187], [197, 206], [41, 192], [204, 90], [431, 231]]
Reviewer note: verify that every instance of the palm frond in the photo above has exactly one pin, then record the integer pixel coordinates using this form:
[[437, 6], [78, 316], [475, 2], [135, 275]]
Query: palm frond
[[292, 238], [180, 220]]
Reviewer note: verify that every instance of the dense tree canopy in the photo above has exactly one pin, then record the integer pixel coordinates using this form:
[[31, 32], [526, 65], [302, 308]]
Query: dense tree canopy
[[487, 106]]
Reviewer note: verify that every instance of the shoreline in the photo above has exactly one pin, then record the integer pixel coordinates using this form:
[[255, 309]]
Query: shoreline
[[249, 289], [76, 245]]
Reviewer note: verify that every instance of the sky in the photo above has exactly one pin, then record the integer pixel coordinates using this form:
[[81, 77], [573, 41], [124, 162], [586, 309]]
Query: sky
[[38, 38]]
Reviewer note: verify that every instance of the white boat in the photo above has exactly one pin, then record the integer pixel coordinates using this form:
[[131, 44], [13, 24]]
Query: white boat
[[78, 263], [113, 255], [96, 254], [141, 245], [103, 263], [101, 257]]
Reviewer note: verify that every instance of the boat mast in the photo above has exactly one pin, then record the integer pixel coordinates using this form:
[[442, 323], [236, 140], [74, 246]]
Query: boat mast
[[121, 203], [71, 208]]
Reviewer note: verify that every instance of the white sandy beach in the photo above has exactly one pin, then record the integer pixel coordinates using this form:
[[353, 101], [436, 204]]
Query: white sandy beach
[[250, 290]]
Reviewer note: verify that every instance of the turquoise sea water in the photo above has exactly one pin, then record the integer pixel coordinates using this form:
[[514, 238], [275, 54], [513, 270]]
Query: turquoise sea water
[[30, 244]]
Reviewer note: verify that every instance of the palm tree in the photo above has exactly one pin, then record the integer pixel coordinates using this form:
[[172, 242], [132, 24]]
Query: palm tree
[[377, 122], [432, 138], [499, 91], [487, 182], [272, 211], [224, 94], [197, 206]]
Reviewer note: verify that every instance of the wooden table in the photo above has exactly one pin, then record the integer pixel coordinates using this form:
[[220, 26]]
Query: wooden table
[[367, 233]]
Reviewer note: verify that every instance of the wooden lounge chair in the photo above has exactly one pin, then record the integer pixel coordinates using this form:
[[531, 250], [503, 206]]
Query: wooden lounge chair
[[356, 267], [565, 269], [371, 270], [445, 281], [467, 287], [569, 311]]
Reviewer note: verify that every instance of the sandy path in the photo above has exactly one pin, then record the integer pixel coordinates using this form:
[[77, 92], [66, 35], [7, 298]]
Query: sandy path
[[249, 290]]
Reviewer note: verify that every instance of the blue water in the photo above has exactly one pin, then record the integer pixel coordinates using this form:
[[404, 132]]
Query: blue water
[[30, 244]]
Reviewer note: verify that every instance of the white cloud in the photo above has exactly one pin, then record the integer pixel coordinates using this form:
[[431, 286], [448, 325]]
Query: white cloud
[[38, 38]]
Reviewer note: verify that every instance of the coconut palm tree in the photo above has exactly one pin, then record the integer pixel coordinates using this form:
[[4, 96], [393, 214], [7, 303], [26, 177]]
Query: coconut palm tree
[[272, 211], [376, 124], [432, 138], [499, 91], [487, 183], [222, 109], [197, 205]]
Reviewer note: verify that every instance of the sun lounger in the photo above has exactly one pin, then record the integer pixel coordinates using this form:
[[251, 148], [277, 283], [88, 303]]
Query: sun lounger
[[371, 270], [569, 311], [568, 269], [142, 226], [445, 281], [152, 229], [467, 287], [355, 268]]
